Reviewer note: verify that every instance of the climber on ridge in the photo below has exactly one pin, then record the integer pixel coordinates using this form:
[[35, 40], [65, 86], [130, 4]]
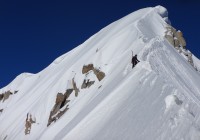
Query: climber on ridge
[[134, 60]]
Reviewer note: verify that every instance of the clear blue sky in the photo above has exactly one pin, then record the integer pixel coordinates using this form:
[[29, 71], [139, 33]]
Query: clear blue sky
[[33, 33]]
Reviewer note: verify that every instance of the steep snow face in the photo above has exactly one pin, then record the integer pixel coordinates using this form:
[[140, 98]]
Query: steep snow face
[[159, 99]]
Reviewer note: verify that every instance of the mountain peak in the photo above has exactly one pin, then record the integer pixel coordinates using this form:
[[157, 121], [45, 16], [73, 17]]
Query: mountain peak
[[162, 11], [95, 92]]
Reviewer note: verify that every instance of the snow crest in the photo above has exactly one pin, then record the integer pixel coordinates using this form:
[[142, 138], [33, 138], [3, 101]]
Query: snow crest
[[92, 92]]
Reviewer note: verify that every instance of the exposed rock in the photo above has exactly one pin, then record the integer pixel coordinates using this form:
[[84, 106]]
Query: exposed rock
[[99, 74], [179, 34], [1, 110], [28, 124], [182, 42], [173, 30], [58, 110], [1, 97], [59, 98], [176, 42], [181, 39], [179, 49], [188, 54], [87, 68], [56, 115], [75, 87], [84, 85], [15, 91], [6, 95], [60, 113], [176, 39], [168, 27], [68, 93], [170, 39], [170, 30], [190, 60], [66, 96], [87, 84]]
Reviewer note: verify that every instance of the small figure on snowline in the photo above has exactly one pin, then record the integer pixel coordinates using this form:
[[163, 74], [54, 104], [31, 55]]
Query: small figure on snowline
[[134, 60]]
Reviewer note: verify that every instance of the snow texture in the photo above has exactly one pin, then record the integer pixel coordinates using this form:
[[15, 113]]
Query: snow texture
[[159, 99]]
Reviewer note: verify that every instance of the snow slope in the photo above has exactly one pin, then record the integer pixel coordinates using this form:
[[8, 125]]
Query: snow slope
[[157, 100]]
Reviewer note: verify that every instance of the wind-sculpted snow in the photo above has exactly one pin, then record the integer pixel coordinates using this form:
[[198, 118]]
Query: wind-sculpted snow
[[159, 99]]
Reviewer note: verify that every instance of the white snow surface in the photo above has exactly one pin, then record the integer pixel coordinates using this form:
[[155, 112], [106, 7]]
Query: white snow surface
[[159, 99]]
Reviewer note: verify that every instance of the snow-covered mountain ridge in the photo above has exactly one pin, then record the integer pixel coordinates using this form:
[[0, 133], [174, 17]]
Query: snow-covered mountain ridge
[[92, 92]]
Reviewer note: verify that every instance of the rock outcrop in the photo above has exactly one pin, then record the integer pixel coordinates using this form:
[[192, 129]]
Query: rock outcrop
[[176, 42], [189, 56], [87, 68], [1, 97], [75, 87], [28, 124], [66, 96], [176, 39], [5, 96], [179, 36], [170, 39], [87, 83], [99, 74], [59, 100], [60, 106]]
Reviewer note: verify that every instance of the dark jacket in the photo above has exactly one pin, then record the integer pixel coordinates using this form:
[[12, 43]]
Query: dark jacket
[[135, 60]]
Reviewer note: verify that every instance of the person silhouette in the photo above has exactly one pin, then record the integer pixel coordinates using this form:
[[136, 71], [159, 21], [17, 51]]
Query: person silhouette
[[134, 61]]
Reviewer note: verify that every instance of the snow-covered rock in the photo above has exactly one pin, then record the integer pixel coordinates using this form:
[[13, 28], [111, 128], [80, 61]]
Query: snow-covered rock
[[179, 36]]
